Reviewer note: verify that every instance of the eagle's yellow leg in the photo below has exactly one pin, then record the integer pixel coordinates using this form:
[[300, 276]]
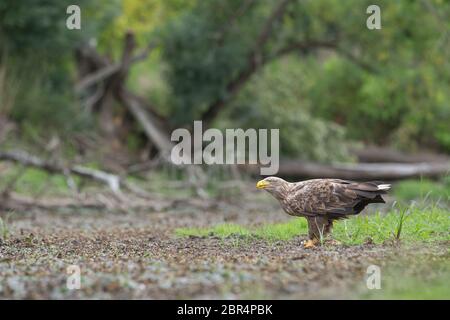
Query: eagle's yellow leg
[[311, 243]]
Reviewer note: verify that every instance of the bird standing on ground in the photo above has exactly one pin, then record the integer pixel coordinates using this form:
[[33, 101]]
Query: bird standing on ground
[[321, 201]]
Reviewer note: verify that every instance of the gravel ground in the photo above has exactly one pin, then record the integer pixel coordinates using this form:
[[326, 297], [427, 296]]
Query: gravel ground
[[137, 256]]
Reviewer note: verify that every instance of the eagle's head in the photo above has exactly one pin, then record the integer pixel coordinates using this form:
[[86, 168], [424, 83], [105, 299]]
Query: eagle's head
[[275, 186]]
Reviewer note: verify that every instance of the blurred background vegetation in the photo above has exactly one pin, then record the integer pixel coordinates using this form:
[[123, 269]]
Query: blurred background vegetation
[[344, 97], [315, 71]]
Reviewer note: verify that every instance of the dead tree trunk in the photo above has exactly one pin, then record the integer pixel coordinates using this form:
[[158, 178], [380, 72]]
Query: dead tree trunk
[[113, 78], [359, 171], [375, 154]]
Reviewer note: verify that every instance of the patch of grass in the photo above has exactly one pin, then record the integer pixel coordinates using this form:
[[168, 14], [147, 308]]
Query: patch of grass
[[282, 231], [423, 189], [408, 225], [405, 224], [34, 181], [4, 227]]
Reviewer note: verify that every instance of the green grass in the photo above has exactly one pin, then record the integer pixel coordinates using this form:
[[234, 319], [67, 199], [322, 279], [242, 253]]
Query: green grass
[[4, 229], [273, 232], [423, 189], [34, 181], [409, 225]]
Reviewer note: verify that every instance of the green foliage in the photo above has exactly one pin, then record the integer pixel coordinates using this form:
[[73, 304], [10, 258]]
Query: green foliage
[[8, 89], [142, 17], [4, 228], [423, 189], [46, 103], [396, 89], [387, 86], [203, 54], [417, 225], [275, 99], [37, 48], [35, 182], [35, 28]]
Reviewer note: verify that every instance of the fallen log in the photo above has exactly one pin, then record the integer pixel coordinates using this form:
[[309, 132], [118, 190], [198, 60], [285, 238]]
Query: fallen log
[[374, 154], [359, 171]]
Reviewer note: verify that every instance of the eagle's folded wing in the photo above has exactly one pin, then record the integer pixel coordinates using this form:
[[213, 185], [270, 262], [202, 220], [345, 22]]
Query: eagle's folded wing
[[335, 198]]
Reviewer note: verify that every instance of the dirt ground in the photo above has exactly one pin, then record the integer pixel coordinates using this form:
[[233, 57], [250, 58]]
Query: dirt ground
[[138, 256]]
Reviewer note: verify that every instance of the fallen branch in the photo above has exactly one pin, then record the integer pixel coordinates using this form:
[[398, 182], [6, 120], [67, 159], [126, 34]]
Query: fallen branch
[[112, 181]]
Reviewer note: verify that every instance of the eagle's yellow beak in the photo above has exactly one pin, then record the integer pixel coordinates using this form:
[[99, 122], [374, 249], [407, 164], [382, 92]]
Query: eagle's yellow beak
[[262, 184]]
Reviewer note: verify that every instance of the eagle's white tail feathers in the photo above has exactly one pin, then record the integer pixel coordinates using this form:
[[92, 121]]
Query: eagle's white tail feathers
[[384, 187]]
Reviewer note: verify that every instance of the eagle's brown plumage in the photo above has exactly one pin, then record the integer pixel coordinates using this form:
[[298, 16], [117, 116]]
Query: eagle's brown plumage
[[321, 201]]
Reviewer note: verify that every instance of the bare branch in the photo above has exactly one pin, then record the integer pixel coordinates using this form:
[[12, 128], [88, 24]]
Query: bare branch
[[160, 138], [113, 181], [109, 70]]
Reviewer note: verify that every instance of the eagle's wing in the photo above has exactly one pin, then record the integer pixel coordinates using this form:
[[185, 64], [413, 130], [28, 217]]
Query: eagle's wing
[[334, 198]]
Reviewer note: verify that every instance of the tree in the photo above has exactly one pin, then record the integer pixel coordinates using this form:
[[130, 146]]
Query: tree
[[385, 85]]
